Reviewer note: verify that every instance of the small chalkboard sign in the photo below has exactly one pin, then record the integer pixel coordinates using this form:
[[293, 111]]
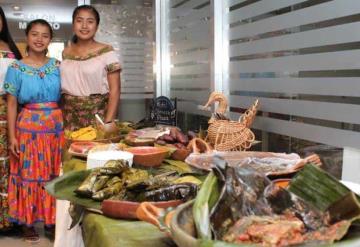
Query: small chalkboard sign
[[163, 111]]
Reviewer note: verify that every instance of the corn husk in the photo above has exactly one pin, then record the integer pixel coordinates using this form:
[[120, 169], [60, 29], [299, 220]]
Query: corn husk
[[205, 200]]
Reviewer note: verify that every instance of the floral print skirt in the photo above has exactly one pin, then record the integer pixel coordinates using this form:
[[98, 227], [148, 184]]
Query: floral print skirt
[[79, 111], [4, 167], [40, 136]]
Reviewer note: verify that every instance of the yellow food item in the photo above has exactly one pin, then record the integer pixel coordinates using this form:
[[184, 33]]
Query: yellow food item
[[188, 179], [84, 134]]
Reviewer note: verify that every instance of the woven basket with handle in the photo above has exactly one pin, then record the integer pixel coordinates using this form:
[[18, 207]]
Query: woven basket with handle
[[227, 135]]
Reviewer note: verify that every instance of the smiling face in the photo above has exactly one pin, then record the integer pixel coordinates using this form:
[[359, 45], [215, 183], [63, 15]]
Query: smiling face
[[85, 25], [38, 38]]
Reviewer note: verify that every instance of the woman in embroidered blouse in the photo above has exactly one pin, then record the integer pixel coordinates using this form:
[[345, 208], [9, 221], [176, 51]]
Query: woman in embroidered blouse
[[90, 74], [35, 134], [8, 53], [90, 81]]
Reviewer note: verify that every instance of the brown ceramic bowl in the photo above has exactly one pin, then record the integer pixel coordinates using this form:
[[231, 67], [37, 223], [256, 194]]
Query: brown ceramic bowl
[[148, 156], [127, 209], [180, 154]]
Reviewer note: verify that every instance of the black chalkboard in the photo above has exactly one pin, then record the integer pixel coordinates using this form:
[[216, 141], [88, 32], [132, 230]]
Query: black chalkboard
[[163, 111]]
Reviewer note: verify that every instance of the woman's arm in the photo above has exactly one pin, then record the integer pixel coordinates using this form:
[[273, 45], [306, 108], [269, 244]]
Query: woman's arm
[[11, 118], [114, 95]]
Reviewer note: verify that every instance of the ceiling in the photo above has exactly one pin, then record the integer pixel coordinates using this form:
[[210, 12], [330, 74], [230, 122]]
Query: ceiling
[[148, 3]]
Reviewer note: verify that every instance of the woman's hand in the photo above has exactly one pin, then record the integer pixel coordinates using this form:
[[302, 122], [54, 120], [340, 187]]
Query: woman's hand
[[14, 147]]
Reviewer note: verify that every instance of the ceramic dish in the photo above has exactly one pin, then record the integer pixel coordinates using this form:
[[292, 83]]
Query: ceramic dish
[[127, 209], [99, 158], [148, 156]]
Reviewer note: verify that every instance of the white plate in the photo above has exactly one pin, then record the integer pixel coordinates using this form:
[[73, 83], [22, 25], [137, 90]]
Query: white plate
[[352, 186], [99, 158]]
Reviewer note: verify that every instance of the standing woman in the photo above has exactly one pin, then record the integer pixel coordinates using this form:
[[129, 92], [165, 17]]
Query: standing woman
[[90, 81], [8, 53], [35, 134], [90, 74]]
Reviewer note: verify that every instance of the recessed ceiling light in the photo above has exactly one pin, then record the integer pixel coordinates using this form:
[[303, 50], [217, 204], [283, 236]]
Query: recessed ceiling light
[[16, 8]]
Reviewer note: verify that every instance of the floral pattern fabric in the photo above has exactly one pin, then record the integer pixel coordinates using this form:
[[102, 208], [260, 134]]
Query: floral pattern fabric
[[112, 67], [33, 85], [39, 131], [86, 108], [6, 58], [89, 55], [7, 54], [4, 204]]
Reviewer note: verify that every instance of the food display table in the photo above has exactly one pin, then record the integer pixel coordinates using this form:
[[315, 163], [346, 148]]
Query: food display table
[[99, 230]]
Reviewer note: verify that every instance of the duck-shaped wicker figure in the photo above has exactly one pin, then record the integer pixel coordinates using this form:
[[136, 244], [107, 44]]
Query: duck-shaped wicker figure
[[226, 135]]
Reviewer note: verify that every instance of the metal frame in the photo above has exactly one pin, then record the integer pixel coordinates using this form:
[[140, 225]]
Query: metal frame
[[162, 65], [220, 48]]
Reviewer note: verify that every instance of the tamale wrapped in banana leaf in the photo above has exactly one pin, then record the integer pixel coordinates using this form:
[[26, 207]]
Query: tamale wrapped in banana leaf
[[331, 195], [152, 182], [108, 192], [113, 181], [86, 187], [63, 188], [134, 176], [114, 167], [253, 210], [184, 191], [100, 183]]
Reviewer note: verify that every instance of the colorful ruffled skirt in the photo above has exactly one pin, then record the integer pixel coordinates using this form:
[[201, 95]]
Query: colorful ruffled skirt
[[40, 135], [4, 167]]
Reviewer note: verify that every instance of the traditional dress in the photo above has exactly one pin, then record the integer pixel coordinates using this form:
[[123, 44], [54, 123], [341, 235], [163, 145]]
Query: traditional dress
[[6, 58], [85, 92], [85, 86], [39, 131]]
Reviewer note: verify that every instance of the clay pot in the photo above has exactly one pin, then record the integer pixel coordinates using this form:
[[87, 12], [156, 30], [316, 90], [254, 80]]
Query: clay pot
[[127, 209], [180, 154], [148, 156]]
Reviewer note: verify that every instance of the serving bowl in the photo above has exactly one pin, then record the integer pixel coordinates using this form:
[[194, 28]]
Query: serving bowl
[[127, 209], [148, 156]]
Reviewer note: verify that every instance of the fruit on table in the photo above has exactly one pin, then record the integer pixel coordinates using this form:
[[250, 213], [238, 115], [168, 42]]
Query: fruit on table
[[84, 134], [82, 147]]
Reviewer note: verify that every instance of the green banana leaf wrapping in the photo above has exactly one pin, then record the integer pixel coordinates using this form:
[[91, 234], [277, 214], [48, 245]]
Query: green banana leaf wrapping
[[318, 195], [325, 193], [205, 200], [63, 188]]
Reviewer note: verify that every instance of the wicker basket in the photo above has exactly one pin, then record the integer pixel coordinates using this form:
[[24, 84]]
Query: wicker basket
[[249, 116], [227, 135], [230, 136]]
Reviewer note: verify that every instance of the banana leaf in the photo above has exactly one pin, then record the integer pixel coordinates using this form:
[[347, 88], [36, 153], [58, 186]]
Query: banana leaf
[[180, 167], [63, 188], [205, 200], [325, 193]]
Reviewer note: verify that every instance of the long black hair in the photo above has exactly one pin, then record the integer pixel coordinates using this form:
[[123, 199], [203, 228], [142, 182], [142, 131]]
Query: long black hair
[[6, 37], [88, 8]]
